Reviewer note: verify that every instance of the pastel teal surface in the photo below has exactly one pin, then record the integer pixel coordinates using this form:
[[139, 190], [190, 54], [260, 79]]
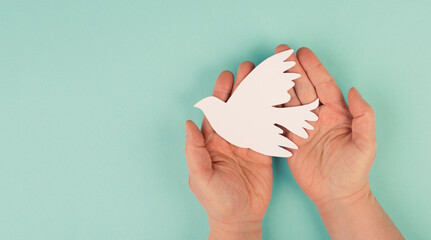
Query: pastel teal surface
[[94, 96]]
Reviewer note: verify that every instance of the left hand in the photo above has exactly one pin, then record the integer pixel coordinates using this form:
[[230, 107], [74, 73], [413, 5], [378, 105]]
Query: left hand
[[233, 184]]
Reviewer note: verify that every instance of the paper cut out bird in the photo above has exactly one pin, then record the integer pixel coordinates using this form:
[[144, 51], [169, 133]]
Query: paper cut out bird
[[248, 118]]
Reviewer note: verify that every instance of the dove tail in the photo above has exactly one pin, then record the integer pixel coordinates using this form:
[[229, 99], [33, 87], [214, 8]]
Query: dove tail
[[295, 119]]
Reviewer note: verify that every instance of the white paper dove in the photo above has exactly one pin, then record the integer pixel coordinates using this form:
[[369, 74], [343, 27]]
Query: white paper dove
[[248, 118]]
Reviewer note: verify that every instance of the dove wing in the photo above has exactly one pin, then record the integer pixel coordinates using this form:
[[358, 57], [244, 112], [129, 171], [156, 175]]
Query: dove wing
[[267, 84]]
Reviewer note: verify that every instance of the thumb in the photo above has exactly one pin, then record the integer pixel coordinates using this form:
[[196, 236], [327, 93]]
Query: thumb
[[364, 121], [197, 156]]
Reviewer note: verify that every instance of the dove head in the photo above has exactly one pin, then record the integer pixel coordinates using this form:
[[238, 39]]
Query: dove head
[[209, 105]]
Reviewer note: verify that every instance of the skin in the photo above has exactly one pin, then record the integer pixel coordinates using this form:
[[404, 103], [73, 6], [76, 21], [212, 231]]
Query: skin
[[331, 166]]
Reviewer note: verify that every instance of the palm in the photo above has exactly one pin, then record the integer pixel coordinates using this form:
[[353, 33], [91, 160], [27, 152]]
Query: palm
[[242, 180], [328, 157]]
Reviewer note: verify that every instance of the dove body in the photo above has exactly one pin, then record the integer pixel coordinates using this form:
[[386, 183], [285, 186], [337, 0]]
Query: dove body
[[248, 118], [242, 127]]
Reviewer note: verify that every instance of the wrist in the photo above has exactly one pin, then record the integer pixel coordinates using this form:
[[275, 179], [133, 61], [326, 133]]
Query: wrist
[[237, 230], [344, 202], [343, 208], [358, 216], [344, 217]]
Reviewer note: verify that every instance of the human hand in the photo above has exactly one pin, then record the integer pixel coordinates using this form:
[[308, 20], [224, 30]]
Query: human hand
[[331, 166], [334, 161], [233, 184]]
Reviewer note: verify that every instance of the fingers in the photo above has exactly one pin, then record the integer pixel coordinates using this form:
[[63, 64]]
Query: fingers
[[294, 101], [304, 89], [197, 156], [327, 89], [364, 122], [243, 70], [223, 86], [222, 90]]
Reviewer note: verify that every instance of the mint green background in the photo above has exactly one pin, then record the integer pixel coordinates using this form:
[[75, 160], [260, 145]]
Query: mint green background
[[94, 96]]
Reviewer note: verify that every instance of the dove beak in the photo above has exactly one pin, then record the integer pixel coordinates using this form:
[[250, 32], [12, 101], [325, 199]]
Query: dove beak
[[201, 103], [198, 105]]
